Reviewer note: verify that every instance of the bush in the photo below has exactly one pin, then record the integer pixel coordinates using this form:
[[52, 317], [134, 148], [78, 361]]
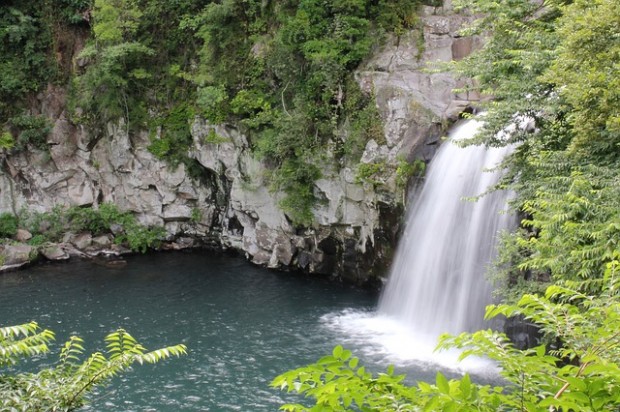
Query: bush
[[67, 384], [6, 141], [54, 224], [33, 130], [8, 225]]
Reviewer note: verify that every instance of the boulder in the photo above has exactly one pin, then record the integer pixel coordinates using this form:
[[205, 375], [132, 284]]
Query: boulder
[[282, 252], [17, 255], [23, 235], [262, 257], [82, 241], [54, 252], [102, 241]]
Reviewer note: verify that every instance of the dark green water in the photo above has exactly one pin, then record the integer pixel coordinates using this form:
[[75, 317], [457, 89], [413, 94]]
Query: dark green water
[[243, 325]]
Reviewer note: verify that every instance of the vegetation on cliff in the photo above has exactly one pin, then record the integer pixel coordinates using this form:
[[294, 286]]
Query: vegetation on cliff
[[281, 71], [107, 220]]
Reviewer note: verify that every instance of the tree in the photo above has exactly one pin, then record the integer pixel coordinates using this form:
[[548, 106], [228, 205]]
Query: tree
[[66, 386], [110, 85], [551, 70]]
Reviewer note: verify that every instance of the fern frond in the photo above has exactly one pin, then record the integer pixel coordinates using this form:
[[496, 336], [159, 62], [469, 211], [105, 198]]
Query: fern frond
[[160, 354], [71, 351]]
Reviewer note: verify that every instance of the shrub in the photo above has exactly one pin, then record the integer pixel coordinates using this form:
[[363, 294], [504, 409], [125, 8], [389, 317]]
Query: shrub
[[8, 225], [33, 130], [54, 224], [6, 141]]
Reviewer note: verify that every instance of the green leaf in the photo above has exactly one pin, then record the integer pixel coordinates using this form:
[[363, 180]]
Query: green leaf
[[442, 383]]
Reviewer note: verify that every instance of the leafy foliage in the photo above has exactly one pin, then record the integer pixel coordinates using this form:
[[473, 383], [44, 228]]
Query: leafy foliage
[[33, 130], [107, 89], [282, 70], [8, 225], [21, 341], [66, 386], [581, 374], [174, 135], [549, 68], [279, 70], [29, 32], [24, 66]]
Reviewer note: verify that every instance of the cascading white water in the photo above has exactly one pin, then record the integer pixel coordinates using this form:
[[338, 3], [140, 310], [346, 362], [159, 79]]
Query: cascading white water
[[437, 283]]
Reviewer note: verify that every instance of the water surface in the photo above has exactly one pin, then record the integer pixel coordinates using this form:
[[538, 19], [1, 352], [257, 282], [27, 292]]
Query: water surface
[[243, 325]]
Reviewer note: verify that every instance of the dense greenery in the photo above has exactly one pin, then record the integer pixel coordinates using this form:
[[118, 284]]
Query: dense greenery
[[66, 385], [8, 225], [279, 70], [31, 35], [553, 67], [283, 71]]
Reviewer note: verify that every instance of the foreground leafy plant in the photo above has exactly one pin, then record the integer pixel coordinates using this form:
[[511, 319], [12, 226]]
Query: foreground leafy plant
[[579, 371], [65, 387]]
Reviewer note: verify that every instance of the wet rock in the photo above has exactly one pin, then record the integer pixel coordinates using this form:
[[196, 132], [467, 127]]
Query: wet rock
[[180, 244], [282, 252], [111, 262], [72, 251], [82, 241], [262, 257], [54, 252], [17, 255], [101, 241]]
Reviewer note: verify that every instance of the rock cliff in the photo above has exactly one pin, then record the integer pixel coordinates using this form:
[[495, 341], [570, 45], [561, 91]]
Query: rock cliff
[[355, 224]]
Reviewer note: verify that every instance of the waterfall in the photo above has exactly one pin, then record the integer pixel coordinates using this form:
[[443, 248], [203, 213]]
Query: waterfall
[[437, 283]]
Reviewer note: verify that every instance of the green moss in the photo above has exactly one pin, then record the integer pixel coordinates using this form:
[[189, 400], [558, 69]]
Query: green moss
[[371, 173], [6, 141], [213, 138], [406, 170]]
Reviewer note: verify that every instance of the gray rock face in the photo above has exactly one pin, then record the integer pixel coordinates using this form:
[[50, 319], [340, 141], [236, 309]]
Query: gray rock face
[[355, 223], [415, 102]]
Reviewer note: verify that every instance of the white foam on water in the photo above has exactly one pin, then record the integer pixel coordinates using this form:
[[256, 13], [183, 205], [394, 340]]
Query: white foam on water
[[388, 341]]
